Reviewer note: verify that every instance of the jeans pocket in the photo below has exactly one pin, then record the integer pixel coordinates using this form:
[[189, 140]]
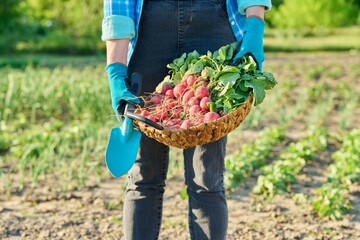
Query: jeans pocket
[[221, 7]]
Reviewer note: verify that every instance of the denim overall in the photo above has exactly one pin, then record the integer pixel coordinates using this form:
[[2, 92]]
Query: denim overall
[[168, 29]]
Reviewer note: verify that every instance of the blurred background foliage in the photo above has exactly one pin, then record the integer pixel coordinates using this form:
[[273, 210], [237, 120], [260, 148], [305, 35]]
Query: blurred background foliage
[[56, 26], [74, 26]]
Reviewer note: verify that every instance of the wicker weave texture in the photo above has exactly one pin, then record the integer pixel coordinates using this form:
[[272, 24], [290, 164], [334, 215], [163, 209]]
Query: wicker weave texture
[[201, 134]]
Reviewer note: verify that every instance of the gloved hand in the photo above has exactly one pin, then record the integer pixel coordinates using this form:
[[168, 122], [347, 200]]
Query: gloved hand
[[252, 42], [120, 94]]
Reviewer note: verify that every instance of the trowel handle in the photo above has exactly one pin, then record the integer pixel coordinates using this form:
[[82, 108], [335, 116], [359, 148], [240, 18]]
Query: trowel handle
[[129, 112], [136, 83], [135, 88]]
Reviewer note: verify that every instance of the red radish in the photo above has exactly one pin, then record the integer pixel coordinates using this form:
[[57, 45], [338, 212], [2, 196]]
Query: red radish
[[170, 103], [189, 94], [190, 80], [179, 90], [186, 124], [183, 80], [211, 116], [204, 73], [198, 119], [176, 112], [165, 88], [175, 127], [155, 99], [222, 113], [193, 101], [203, 83], [169, 93], [163, 115], [160, 115], [201, 92], [203, 103], [194, 110], [172, 122], [144, 113], [152, 118]]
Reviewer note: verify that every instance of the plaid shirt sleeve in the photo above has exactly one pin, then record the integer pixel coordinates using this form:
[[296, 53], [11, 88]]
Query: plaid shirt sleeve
[[119, 19], [244, 4]]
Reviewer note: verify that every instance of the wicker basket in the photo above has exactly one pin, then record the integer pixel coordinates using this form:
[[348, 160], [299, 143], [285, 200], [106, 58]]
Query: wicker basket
[[201, 134]]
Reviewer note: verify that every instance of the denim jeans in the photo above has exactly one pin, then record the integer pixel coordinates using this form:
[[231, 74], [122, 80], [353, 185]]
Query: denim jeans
[[168, 29]]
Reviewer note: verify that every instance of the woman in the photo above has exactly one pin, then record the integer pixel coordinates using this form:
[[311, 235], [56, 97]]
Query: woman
[[143, 36]]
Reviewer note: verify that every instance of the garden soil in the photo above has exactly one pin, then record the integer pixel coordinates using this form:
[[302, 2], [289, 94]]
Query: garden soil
[[95, 211]]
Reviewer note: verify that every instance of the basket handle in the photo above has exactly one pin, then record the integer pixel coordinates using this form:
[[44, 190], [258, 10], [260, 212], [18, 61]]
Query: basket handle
[[129, 112]]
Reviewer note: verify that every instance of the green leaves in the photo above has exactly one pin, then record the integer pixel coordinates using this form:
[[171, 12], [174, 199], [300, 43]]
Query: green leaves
[[278, 176], [269, 80], [229, 86], [225, 53], [258, 90], [331, 200], [251, 156], [228, 78], [196, 68]]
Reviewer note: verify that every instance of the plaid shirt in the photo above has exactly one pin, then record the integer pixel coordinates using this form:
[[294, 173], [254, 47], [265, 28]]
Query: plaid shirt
[[122, 17]]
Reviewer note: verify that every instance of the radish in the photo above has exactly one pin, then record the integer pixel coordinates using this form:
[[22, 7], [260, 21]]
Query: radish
[[174, 127], [211, 116], [169, 103], [155, 99], [203, 83], [193, 101], [190, 80], [203, 103], [179, 90], [176, 112], [186, 97], [152, 118], [165, 88], [160, 115], [204, 73], [222, 113], [201, 92], [174, 121], [169, 93], [144, 113], [185, 124], [198, 119], [194, 110], [183, 80]]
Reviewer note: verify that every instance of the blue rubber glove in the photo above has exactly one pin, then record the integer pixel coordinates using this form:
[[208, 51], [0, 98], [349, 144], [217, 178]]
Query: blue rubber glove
[[252, 42], [120, 94]]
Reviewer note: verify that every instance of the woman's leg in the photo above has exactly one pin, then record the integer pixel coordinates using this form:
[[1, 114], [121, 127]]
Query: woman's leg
[[204, 169], [209, 29], [144, 194], [156, 47]]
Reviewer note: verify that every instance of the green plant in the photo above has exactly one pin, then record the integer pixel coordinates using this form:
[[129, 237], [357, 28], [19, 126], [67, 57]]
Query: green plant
[[278, 176], [251, 156], [331, 199], [309, 16]]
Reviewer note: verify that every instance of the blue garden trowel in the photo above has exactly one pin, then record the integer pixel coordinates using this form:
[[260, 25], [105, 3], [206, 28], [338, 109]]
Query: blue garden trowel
[[124, 141]]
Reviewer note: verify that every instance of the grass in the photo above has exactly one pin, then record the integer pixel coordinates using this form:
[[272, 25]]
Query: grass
[[55, 120], [54, 125], [49, 60], [275, 40], [343, 39]]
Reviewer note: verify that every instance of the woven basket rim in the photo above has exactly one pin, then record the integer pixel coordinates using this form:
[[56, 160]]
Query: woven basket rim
[[193, 130]]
